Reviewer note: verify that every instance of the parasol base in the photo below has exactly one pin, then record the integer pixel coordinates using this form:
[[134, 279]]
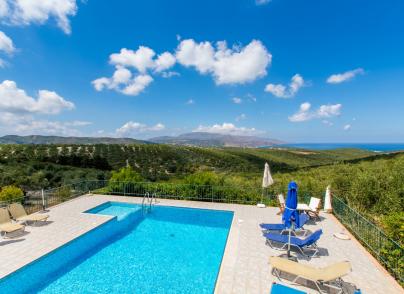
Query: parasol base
[[291, 257], [342, 236], [261, 205]]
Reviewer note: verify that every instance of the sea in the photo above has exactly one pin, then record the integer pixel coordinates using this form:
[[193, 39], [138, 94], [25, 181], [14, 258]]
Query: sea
[[376, 147]]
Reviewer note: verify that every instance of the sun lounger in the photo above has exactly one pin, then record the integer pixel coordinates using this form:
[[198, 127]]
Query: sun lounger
[[313, 209], [281, 227], [308, 242], [282, 289], [329, 276], [6, 226], [18, 213]]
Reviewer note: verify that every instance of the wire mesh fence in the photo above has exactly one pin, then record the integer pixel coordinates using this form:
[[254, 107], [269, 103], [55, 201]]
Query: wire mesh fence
[[387, 251], [225, 194], [35, 201], [32, 203]]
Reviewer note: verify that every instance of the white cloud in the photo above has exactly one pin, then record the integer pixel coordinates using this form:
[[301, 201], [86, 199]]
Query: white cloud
[[133, 128], [15, 100], [329, 110], [46, 127], [324, 111], [18, 112], [228, 66], [241, 117], [347, 127], [169, 74], [237, 65], [137, 85], [282, 91], [100, 83], [346, 76], [123, 82], [120, 76], [327, 122], [190, 102], [277, 90], [262, 2], [3, 8], [241, 65], [6, 44], [157, 127], [164, 61], [201, 56], [302, 114], [237, 100], [251, 97], [25, 12], [228, 129], [27, 124], [141, 59], [78, 123]]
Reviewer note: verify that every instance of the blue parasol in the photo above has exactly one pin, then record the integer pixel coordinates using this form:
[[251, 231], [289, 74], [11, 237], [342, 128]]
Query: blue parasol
[[290, 215]]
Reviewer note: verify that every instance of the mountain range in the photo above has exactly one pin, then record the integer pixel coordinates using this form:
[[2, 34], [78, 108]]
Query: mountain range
[[37, 139], [215, 140], [201, 139]]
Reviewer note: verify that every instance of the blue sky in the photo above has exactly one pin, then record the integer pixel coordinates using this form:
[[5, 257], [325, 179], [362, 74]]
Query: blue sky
[[296, 70]]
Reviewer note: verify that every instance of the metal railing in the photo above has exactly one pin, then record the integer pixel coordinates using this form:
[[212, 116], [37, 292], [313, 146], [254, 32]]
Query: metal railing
[[225, 194], [61, 194], [36, 201], [31, 203], [387, 251]]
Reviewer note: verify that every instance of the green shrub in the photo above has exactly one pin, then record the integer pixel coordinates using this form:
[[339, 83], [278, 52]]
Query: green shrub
[[64, 193], [8, 193], [126, 174], [394, 226], [126, 181], [204, 179]]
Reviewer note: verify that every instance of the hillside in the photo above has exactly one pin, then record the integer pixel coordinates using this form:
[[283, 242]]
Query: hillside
[[36, 139], [370, 182], [215, 140], [154, 161]]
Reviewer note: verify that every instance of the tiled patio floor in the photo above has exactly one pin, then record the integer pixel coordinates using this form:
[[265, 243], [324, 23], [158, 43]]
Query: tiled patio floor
[[245, 267]]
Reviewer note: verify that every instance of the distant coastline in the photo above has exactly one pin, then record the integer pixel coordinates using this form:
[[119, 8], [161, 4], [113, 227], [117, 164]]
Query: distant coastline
[[375, 147]]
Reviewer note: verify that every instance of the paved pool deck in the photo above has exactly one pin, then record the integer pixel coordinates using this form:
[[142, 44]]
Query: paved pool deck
[[245, 267]]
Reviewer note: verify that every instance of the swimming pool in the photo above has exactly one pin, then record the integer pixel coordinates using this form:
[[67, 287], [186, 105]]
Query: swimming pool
[[169, 250]]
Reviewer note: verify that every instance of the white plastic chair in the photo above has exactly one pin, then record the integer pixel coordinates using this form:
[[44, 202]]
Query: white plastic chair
[[281, 201], [312, 209]]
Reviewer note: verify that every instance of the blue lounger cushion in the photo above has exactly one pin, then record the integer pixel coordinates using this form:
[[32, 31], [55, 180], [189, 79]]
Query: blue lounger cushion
[[280, 227], [282, 289], [273, 227], [309, 240], [307, 243]]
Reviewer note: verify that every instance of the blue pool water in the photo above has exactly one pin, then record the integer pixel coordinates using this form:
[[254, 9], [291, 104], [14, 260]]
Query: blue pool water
[[119, 209], [170, 250]]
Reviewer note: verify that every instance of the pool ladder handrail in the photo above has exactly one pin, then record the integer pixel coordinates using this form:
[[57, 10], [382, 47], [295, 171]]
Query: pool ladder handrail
[[147, 202]]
